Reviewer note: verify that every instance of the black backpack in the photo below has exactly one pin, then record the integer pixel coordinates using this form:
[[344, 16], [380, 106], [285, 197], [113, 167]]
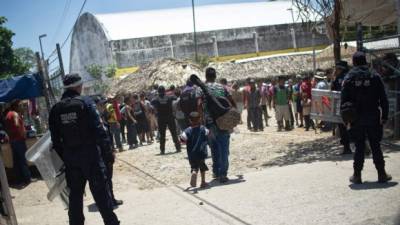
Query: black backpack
[[188, 102]]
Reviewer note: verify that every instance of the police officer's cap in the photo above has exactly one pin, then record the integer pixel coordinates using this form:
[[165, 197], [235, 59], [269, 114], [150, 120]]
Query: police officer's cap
[[72, 80], [342, 65], [359, 59], [194, 114]]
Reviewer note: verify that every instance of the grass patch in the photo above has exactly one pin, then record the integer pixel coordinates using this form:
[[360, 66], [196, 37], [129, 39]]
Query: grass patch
[[267, 53], [126, 70]]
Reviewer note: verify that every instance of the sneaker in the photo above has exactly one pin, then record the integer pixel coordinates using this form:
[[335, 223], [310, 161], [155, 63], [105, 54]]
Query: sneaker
[[356, 179]]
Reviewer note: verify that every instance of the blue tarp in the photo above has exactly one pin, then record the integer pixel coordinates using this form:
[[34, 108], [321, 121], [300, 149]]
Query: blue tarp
[[21, 87]]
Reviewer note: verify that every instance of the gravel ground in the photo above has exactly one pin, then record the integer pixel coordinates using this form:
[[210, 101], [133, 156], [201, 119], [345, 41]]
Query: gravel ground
[[144, 168]]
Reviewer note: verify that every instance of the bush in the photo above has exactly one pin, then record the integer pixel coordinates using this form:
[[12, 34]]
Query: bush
[[111, 71], [95, 71]]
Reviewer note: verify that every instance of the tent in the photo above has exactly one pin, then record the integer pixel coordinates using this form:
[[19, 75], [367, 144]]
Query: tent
[[21, 87]]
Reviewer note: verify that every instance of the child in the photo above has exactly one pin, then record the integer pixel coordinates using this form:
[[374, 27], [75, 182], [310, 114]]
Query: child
[[195, 138], [306, 104]]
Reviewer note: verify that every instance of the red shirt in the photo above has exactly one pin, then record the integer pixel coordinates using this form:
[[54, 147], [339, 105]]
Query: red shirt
[[306, 88], [117, 111], [15, 133]]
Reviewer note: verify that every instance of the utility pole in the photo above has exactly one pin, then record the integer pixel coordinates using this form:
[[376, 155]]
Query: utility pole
[[255, 37], [215, 43], [313, 50], [292, 30], [60, 60], [194, 32], [40, 42], [359, 37]]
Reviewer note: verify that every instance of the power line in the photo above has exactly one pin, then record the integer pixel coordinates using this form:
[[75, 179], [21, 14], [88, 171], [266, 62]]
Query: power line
[[62, 20], [72, 29]]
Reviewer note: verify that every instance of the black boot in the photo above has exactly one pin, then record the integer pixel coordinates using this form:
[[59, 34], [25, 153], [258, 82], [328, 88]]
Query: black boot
[[356, 178], [383, 177], [346, 149]]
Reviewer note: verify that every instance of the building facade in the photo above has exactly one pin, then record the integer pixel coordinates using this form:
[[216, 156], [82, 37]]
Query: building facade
[[134, 38]]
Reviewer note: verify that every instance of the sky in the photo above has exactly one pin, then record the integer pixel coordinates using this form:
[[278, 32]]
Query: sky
[[30, 18]]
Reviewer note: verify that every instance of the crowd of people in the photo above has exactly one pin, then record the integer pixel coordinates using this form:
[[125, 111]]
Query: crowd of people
[[87, 131]]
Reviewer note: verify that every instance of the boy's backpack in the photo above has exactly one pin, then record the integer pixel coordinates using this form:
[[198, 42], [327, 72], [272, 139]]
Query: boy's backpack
[[188, 102]]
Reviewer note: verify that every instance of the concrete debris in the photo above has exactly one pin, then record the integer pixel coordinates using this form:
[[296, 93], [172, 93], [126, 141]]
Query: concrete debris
[[171, 71]]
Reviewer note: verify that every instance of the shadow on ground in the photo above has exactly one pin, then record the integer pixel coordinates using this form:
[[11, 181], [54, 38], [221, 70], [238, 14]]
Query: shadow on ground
[[324, 149], [215, 183], [368, 185]]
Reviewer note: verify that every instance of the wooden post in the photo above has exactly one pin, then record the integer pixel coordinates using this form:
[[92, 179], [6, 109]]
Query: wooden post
[[6, 196], [60, 60]]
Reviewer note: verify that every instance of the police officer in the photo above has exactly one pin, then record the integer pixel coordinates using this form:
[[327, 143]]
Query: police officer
[[341, 69], [107, 153], [78, 136], [163, 106], [365, 98]]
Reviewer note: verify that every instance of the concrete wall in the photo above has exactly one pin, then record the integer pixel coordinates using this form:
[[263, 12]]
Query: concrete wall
[[89, 45], [138, 51]]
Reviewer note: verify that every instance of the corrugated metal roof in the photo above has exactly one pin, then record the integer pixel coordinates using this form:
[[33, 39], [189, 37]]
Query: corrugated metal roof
[[137, 24]]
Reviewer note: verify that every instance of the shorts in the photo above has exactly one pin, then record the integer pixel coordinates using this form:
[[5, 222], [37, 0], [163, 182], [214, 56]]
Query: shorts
[[198, 164], [282, 112]]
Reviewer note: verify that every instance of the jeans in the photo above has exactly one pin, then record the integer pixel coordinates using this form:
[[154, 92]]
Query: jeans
[[20, 165], [219, 144], [116, 132]]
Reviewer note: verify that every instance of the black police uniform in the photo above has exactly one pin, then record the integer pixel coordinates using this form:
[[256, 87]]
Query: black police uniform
[[165, 118], [365, 90], [78, 137], [344, 134]]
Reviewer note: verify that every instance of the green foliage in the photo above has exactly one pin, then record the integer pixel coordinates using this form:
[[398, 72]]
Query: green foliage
[[96, 71], [12, 62], [26, 56], [203, 60], [111, 70]]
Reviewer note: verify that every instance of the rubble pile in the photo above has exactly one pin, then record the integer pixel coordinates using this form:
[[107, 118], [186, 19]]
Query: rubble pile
[[162, 72], [264, 68], [171, 71]]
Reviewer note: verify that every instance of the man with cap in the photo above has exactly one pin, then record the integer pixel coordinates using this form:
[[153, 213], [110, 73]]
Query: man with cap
[[341, 69], [165, 118], [365, 99], [78, 135]]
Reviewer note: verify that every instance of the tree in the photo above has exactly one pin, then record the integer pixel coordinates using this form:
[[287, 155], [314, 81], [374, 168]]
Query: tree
[[327, 10], [111, 70], [6, 52], [27, 58], [13, 62]]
